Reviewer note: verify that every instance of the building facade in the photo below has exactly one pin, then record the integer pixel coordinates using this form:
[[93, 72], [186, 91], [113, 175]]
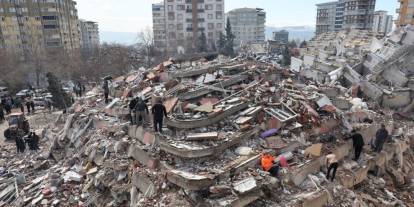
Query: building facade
[[382, 22], [345, 14], [89, 36], [282, 36], [248, 25], [29, 26], [178, 24], [405, 13], [325, 17]]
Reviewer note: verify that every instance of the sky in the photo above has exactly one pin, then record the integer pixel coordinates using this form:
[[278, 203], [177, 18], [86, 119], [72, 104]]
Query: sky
[[133, 16]]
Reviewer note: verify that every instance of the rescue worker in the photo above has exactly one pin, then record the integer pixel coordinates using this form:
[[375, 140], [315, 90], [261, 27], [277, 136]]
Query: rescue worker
[[158, 113], [380, 138], [268, 164], [21, 107], [17, 135], [132, 104], [28, 105], [106, 91], [332, 163], [141, 112], [1, 113], [33, 141], [358, 143], [32, 104]]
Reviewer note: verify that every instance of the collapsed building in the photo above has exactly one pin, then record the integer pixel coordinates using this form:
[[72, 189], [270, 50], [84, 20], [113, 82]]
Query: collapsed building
[[223, 115]]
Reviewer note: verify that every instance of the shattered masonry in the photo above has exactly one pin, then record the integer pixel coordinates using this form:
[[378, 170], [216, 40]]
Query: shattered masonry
[[223, 115]]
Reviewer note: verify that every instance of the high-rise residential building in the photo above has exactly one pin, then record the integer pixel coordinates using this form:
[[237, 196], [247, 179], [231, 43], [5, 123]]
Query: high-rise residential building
[[406, 13], [248, 25], [345, 14], [28, 26], [359, 14], [281, 36], [325, 18], [89, 35], [382, 22], [178, 24]]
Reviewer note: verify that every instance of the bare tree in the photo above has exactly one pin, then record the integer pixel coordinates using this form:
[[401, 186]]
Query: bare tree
[[146, 42]]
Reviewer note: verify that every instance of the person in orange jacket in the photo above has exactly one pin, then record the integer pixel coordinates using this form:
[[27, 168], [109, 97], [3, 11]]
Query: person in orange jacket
[[269, 165]]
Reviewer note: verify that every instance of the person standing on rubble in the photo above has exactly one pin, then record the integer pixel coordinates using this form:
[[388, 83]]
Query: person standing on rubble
[[1, 113], [132, 104], [158, 113], [332, 163], [358, 143], [141, 112], [18, 134], [106, 91], [28, 105], [380, 138], [32, 104]]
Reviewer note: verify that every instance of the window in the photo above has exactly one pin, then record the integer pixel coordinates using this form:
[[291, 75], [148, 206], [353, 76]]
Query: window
[[179, 16], [52, 26], [219, 7], [170, 26], [171, 35], [49, 17], [170, 7], [171, 15], [210, 16], [180, 26], [12, 10], [219, 15], [209, 6], [219, 25], [180, 7], [210, 25]]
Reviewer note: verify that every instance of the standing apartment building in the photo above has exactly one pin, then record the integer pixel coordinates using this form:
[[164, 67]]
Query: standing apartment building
[[345, 14], [30, 26], [89, 36], [248, 25], [405, 13], [281, 37], [382, 22], [178, 24]]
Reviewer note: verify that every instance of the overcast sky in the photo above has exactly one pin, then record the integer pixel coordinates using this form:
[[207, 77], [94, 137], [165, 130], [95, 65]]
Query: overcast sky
[[134, 15]]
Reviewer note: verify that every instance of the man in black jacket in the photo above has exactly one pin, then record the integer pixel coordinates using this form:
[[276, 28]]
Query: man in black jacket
[[380, 138], [132, 104], [158, 112], [141, 112], [358, 143]]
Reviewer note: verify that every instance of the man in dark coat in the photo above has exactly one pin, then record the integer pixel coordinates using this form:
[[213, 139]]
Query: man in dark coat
[[141, 112], [132, 105], [380, 138], [358, 143], [106, 91], [17, 135], [28, 105], [1, 113], [158, 112]]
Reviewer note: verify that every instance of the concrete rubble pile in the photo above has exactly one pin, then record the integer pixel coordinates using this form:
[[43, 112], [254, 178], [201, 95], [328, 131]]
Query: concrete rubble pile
[[223, 115]]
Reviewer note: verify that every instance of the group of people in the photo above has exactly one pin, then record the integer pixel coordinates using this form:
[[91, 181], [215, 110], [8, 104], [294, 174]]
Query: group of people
[[140, 113], [79, 89], [30, 106], [7, 104], [377, 145], [269, 164], [32, 141]]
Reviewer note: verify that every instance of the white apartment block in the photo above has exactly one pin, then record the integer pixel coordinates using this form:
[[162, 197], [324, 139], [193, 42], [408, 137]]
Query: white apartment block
[[178, 24], [89, 35], [382, 22], [345, 14], [248, 25]]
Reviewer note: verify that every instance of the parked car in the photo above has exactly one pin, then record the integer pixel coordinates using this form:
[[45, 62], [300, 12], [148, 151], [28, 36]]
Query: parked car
[[24, 93], [4, 92]]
